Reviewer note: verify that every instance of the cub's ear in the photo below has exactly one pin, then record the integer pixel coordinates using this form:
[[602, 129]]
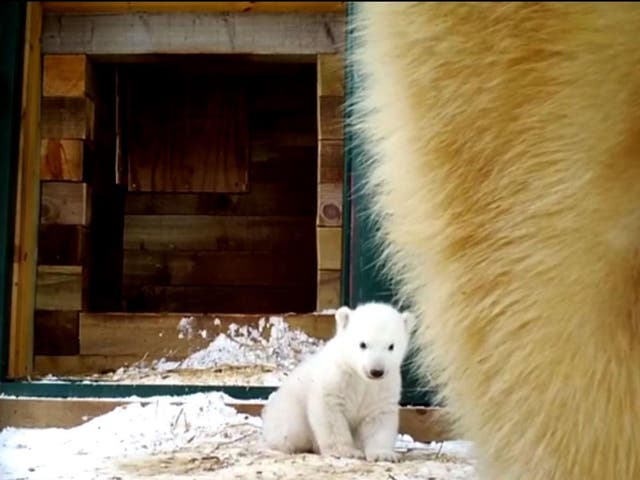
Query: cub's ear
[[342, 318], [409, 321]]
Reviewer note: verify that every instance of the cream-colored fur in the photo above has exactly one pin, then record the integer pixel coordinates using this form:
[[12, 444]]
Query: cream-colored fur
[[506, 139]]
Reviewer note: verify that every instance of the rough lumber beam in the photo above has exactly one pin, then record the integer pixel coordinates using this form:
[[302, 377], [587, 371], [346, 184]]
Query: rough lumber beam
[[61, 159], [329, 289], [329, 248], [175, 7], [423, 424], [65, 203], [156, 335], [27, 201], [67, 76], [68, 117], [61, 287], [56, 333], [145, 33]]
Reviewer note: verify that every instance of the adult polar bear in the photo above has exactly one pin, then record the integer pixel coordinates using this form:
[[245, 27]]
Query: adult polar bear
[[506, 173]]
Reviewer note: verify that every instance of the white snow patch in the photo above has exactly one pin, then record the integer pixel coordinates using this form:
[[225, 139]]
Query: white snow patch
[[190, 437]]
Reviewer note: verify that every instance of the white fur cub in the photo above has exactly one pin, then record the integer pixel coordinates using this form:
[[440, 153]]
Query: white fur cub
[[343, 401]]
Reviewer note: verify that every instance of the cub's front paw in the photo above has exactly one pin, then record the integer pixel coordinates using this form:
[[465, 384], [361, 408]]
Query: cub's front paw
[[343, 452], [382, 456]]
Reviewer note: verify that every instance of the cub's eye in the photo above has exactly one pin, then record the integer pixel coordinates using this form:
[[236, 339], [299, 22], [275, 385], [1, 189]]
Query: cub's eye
[[391, 347], [363, 346]]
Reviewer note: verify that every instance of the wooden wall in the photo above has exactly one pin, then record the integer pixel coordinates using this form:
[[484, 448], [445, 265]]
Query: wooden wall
[[230, 246], [330, 179]]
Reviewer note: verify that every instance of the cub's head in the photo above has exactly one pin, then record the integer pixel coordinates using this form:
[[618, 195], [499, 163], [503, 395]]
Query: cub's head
[[374, 338]]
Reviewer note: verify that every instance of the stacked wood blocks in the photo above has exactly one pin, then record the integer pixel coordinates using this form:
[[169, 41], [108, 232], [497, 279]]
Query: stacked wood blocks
[[67, 120], [330, 178]]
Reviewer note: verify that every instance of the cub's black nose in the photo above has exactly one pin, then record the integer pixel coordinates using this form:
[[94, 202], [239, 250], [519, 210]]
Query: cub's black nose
[[376, 373]]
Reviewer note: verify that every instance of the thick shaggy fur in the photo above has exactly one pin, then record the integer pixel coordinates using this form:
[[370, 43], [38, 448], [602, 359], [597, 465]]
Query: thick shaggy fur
[[506, 139], [343, 401]]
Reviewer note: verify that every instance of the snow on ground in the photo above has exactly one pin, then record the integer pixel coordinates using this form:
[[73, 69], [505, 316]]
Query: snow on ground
[[198, 437], [246, 355]]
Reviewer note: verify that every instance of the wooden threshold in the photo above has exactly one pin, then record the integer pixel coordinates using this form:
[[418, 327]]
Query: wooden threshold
[[423, 424]]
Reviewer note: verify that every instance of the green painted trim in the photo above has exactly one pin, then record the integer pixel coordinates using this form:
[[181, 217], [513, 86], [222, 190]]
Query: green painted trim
[[113, 390], [12, 19], [366, 279]]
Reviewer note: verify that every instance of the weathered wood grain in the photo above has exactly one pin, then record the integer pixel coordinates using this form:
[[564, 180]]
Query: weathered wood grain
[[65, 203], [329, 282], [61, 160], [215, 268], [146, 33], [158, 335], [204, 232], [56, 333], [61, 288], [62, 245], [329, 240]]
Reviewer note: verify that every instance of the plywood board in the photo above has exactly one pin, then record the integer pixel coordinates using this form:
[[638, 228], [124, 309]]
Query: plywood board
[[329, 248], [147, 33], [61, 159], [60, 288], [65, 203], [202, 145]]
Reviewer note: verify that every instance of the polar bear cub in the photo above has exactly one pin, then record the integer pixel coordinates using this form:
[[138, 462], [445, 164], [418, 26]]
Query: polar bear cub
[[343, 401]]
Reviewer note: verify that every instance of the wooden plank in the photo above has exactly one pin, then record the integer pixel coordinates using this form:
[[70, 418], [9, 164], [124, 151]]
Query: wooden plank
[[330, 161], [147, 33], [20, 359], [67, 117], [329, 282], [221, 298], [157, 335], [175, 7], [56, 333], [61, 159], [62, 245], [329, 205], [430, 424], [274, 199], [65, 203], [66, 76], [203, 232], [329, 241], [61, 288], [330, 75], [203, 143], [76, 365], [330, 118], [216, 268]]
